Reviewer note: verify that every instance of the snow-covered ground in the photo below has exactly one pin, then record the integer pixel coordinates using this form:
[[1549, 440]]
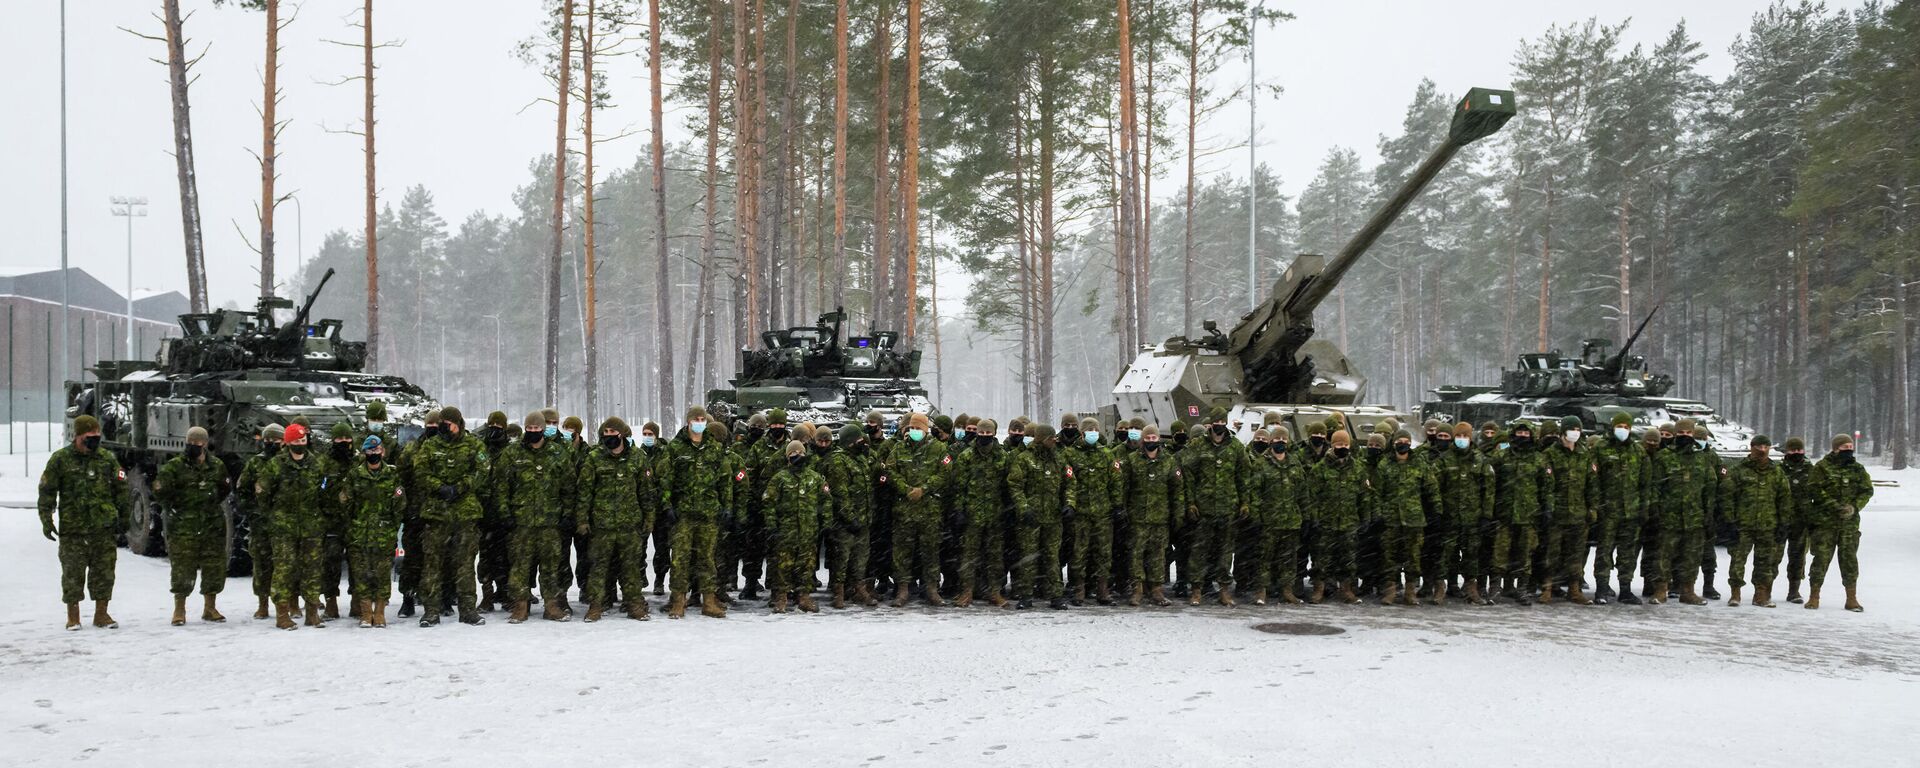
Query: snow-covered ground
[[1557, 685]]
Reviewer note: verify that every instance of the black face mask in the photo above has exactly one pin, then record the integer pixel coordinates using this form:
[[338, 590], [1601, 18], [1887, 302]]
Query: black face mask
[[449, 434], [1068, 434], [431, 430], [194, 452], [983, 440], [1180, 439], [1433, 438], [1523, 441], [373, 459], [492, 434], [779, 434], [873, 429], [269, 449], [794, 461], [1258, 446], [1402, 449], [1797, 458], [858, 449], [298, 451], [1317, 442], [530, 439], [1219, 430], [611, 442], [1844, 457], [342, 451], [1684, 441], [1340, 453], [92, 442], [1280, 446], [1150, 446], [1374, 453], [822, 449]]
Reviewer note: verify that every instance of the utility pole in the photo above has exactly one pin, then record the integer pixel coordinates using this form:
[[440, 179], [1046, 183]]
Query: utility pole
[[66, 291], [499, 400], [129, 208], [1253, 164]]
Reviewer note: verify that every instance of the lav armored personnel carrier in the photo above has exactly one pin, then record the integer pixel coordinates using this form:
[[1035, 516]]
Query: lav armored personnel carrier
[[233, 373], [1271, 361], [1592, 386], [817, 378]]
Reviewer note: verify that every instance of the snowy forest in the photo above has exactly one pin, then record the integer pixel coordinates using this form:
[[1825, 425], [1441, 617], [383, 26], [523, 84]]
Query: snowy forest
[[1037, 161]]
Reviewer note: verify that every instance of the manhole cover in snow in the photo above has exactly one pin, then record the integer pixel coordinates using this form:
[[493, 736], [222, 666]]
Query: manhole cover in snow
[[1296, 628]]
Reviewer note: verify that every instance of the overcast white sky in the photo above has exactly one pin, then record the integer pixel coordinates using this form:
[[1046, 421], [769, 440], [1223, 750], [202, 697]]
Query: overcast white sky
[[454, 111]]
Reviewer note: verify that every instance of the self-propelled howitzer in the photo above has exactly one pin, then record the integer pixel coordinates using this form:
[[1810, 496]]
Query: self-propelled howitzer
[[1271, 360]]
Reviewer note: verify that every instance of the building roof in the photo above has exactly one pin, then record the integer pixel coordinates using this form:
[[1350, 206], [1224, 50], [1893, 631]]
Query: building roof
[[90, 293]]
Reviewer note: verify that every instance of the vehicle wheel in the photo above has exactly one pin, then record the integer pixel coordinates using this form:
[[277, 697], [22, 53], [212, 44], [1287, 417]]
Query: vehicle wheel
[[144, 535]]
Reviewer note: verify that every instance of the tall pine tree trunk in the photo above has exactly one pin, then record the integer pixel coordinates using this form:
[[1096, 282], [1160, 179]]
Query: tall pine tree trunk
[[910, 174], [177, 82], [589, 306], [558, 219], [882, 192], [1193, 125], [840, 154], [372, 236], [664, 399], [269, 134]]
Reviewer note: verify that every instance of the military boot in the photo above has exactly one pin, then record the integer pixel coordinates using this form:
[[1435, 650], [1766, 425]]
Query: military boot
[[1101, 594], [1793, 591], [1657, 593], [994, 598], [1226, 594], [354, 609], [379, 610], [1763, 594], [1139, 592], [261, 612], [550, 610], [519, 612], [472, 618], [1711, 593], [179, 610], [839, 597], [1626, 595], [1473, 592], [100, 617], [429, 619], [900, 597], [1410, 599], [711, 608], [406, 606], [1853, 601], [1576, 595], [362, 611], [1546, 594], [863, 594], [1287, 596], [283, 615], [333, 607], [1735, 600], [314, 618], [1390, 594], [752, 592], [637, 608], [1689, 597], [73, 617], [933, 597], [1440, 593], [965, 598], [805, 602], [779, 602], [1060, 603], [677, 606], [1079, 596], [1195, 593], [1319, 592], [1603, 594], [594, 612], [1813, 598], [1346, 593]]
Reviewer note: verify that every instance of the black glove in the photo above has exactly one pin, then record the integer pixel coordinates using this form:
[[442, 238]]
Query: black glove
[[668, 515], [1066, 512], [46, 529], [1121, 515], [727, 521], [957, 520], [449, 493], [1030, 518]]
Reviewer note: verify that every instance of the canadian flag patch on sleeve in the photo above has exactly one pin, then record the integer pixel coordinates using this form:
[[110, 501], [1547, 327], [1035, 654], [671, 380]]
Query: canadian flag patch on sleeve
[[121, 474], [945, 460], [1069, 470], [740, 475]]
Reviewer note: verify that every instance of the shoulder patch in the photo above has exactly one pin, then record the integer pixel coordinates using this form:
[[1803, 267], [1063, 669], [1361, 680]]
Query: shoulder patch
[[740, 475], [1069, 470], [1116, 465], [945, 460], [120, 474]]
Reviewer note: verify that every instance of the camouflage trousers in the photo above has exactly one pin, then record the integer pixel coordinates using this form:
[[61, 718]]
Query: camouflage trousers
[[1617, 546], [1120, 566], [1091, 548], [1267, 557], [1791, 540], [415, 564], [1653, 560], [1180, 549], [916, 541], [1369, 550], [495, 559], [1036, 570], [86, 566], [982, 557], [1333, 555], [1824, 540], [334, 565], [1566, 547], [847, 557], [1249, 553], [370, 571], [662, 552], [790, 565], [693, 556], [1150, 554], [573, 550], [1513, 546], [1679, 547], [1440, 551], [1212, 552], [1765, 548], [296, 567], [744, 552], [260, 548], [619, 561], [1400, 553], [1474, 543], [534, 553], [449, 547], [204, 556]]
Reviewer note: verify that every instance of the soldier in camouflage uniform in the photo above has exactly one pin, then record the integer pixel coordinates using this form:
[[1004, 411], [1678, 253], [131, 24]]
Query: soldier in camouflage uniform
[[1440, 539], [1791, 532], [1404, 489], [247, 503], [654, 450], [1271, 533], [1653, 532], [495, 527], [413, 567], [980, 488], [191, 486], [1042, 491], [1709, 462], [535, 479], [1619, 505], [293, 490], [1685, 503], [748, 548], [1155, 494], [1096, 478], [1466, 500], [85, 485], [697, 482], [1370, 541], [795, 500], [850, 474], [1217, 473], [1755, 496], [612, 509], [1340, 493], [917, 469], [452, 469], [1524, 499], [375, 498], [1841, 488], [1576, 507], [339, 459]]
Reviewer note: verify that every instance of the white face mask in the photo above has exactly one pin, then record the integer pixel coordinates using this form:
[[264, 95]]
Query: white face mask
[[1460, 442], [1573, 436], [375, 426], [1621, 434]]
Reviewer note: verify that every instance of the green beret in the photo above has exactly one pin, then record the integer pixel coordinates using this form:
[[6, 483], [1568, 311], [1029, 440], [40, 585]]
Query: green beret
[[1622, 419], [377, 410], [341, 430]]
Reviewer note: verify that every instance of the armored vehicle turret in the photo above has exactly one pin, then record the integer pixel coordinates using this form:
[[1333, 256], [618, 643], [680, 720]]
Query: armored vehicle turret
[[816, 377]]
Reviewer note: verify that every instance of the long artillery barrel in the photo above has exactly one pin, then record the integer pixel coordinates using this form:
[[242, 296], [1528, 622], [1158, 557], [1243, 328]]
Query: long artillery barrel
[[1613, 364], [292, 330], [1480, 114]]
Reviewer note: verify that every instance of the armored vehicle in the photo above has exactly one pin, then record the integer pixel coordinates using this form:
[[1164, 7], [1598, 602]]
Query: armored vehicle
[[233, 373], [816, 377], [1271, 360], [1592, 386]]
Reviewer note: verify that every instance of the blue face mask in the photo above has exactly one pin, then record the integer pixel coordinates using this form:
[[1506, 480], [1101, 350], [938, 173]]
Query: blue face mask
[[550, 431], [1504, 446], [646, 441], [567, 435], [1460, 442], [1024, 440], [916, 435], [1621, 434], [697, 427], [1133, 434], [1092, 438]]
